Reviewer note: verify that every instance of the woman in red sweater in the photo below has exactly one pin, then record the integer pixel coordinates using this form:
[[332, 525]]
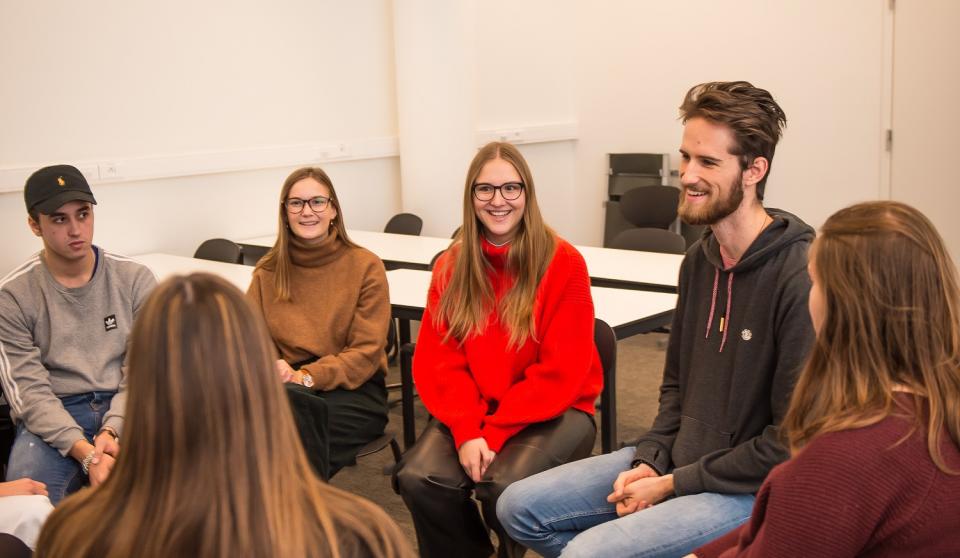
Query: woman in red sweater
[[874, 422], [505, 362]]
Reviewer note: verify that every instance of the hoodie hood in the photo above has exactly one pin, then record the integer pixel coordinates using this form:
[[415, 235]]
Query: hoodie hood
[[785, 229]]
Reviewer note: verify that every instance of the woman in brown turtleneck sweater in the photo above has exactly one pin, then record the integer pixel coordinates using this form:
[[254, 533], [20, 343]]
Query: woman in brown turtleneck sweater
[[326, 303]]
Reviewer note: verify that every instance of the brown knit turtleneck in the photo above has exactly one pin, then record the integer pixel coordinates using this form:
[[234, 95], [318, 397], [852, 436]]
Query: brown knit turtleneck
[[339, 312]]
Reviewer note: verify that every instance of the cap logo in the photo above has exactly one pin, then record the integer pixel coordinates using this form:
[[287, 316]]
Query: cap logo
[[61, 181]]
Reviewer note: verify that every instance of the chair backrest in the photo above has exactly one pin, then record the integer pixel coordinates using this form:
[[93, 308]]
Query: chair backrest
[[404, 223], [650, 240], [220, 250], [252, 253], [606, 341], [650, 206]]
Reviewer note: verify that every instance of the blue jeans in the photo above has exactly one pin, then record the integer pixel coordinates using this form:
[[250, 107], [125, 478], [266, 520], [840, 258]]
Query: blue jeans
[[565, 511], [33, 458]]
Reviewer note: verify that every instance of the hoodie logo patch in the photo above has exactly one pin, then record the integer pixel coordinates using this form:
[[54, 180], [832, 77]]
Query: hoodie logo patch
[[746, 335], [110, 322]]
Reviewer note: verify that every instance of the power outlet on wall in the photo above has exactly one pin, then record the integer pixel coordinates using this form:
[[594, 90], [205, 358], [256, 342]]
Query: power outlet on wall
[[109, 171]]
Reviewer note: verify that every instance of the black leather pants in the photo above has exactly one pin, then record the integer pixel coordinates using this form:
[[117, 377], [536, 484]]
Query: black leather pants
[[437, 491]]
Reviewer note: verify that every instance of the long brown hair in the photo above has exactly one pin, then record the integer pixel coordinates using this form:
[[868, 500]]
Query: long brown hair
[[278, 258], [212, 465], [468, 299], [891, 320]]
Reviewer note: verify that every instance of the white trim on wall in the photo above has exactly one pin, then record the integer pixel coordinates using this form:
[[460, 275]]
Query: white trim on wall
[[210, 162], [541, 133]]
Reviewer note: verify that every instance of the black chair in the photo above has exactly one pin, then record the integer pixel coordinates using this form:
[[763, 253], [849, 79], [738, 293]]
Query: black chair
[[252, 253], [650, 240], [404, 223], [373, 446], [606, 342], [12, 547], [650, 206], [407, 395], [7, 433], [219, 250]]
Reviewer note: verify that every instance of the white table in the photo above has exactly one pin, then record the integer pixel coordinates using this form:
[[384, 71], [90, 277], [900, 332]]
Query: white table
[[608, 267], [628, 312], [411, 251], [632, 269], [166, 265]]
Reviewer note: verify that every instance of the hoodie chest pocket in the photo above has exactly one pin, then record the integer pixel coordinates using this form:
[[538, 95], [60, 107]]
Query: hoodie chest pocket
[[696, 439]]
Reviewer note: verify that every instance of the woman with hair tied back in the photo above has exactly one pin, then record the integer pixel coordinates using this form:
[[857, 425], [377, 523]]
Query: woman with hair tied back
[[505, 362], [874, 421], [216, 468], [327, 306]]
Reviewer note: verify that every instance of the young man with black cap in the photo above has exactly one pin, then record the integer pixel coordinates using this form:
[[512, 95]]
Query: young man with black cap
[[65, 315], [740, 334]]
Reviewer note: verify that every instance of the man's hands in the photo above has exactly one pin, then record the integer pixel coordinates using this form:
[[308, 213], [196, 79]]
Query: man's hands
[[639, 488], [105, 450], [475, 457], [22, 487]]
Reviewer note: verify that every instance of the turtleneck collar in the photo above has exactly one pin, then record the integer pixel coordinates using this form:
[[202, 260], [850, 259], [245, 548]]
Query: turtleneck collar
[[315, 255], [496, 255]]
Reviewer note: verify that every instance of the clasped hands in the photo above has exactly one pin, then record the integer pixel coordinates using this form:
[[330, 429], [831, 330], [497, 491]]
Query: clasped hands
[[639, 488], [105, 451]]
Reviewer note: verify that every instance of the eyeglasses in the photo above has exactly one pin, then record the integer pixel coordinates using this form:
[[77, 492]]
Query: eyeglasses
[[296, 205], [509, 191]]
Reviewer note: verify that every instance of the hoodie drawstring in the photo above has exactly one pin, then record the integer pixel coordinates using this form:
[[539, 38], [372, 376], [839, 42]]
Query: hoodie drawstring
[[725, 320]]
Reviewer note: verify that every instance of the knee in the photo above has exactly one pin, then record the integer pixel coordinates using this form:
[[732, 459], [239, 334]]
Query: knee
[[420, 479], [408, 478], [511, 504]]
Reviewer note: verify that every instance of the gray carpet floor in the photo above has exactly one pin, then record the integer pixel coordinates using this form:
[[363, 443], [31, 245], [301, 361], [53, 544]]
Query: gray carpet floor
[[639, 369]]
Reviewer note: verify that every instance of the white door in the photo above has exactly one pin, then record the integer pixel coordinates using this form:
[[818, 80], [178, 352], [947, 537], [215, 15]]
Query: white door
[[926, 113]]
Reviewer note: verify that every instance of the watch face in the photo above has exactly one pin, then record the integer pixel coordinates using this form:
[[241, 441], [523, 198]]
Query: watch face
[[307, 380]]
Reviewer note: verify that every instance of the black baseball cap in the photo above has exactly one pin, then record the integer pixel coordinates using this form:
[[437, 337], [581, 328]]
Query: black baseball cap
[[50, 187]]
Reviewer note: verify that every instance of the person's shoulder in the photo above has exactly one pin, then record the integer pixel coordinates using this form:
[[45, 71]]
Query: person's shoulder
[[858, 448], [22, 275], [565, 253], [363, 259], [127, 267]]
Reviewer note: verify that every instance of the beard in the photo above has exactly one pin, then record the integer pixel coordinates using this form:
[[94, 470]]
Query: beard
[[714, 211]]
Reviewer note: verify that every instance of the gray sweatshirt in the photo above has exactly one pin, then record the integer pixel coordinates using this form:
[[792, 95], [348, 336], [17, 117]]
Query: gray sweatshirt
[[56, 341]]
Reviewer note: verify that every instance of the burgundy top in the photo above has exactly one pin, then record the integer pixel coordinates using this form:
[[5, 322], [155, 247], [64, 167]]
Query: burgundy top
[[855, 493]]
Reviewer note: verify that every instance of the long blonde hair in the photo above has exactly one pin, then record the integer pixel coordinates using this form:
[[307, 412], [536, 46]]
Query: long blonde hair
[[277, 259], [468, 298], [211, 464], [892, 319]]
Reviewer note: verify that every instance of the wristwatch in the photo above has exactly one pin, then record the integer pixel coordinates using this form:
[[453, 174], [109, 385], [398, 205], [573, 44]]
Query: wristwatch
[[306, 379]]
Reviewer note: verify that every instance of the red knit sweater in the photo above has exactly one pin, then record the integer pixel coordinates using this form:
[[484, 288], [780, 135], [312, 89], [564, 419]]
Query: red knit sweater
[[480, 388], [855, 493]]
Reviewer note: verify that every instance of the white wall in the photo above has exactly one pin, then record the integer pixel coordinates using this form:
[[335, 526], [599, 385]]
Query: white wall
[[117, 81], [926, 115], [820, 59]]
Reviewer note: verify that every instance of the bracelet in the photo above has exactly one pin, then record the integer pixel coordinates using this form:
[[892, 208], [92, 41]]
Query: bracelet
[[87, 460]]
